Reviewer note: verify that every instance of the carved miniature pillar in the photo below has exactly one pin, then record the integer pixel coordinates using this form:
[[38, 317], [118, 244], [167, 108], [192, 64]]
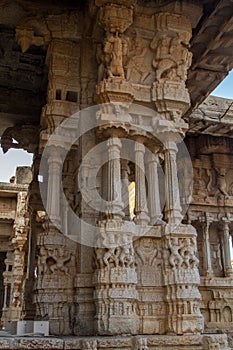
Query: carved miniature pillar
[[125, 187], [141, 210], [207, 265], [226, 247], [54, 186], [172, 208], [115, 204], [153, 189]]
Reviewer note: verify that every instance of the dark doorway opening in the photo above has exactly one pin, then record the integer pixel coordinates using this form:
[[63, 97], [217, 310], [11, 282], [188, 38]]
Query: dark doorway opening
[[2, 269]]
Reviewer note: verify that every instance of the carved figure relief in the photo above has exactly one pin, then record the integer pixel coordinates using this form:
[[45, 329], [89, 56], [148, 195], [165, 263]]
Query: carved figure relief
[[221, 182], [61, 257], [112, 56], [16, 295], [188, 252], [146, 252], [41, 262], [139, 62], [126, 257], [111, 257], [53, 259], [182, 253], [172, 57], [175, 258], [216, 258]]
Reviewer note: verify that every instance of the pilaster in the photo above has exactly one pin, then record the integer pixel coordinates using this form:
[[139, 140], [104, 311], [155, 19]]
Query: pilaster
[[181, 277], [115, 281]]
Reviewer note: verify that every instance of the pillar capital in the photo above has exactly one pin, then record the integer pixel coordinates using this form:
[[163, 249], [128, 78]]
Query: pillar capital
[[114, 142], [115, 17], [152, 157], [139, 147], [170, 146]]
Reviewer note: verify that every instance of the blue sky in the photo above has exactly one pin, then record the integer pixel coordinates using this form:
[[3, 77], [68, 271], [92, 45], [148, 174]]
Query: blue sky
[[10, 160], [225, 89]]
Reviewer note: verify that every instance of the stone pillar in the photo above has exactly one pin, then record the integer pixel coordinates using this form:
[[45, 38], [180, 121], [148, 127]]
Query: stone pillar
[[171, 62], [115, 205], [226, 248], [54, 186], [114, 18], [115, 281], [181, 277], [141, 210], [153, 189], [207, 264], [125, 187], [172, 208]]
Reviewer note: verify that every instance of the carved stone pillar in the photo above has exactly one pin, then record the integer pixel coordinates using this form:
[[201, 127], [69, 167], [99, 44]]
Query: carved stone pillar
[[63, 60], [115, 281], [141, 210], [181, 277], [207, 264], [125, 187], [226, 248], [115, 18], [112, 87], [115, 204], [54, 186], [153, 189], [54, 287], [171, 62], [56, 256], [21, 230], [172, 208]]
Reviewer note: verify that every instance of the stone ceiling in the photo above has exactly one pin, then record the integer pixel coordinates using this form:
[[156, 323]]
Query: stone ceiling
[[23, 76]]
